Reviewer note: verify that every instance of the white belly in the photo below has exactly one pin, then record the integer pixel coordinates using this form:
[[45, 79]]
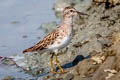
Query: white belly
[[61, 43]]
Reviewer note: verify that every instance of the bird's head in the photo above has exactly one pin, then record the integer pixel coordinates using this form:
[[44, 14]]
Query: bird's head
[[70, 11]]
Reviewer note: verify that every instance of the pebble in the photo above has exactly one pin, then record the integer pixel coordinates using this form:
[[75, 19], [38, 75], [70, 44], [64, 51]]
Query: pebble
[[69, 76]]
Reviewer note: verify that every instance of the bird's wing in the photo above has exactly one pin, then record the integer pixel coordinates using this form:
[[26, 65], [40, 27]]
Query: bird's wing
[[48, 40]]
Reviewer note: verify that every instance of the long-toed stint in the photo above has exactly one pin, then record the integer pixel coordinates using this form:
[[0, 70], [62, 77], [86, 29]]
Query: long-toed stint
[[57, 39]]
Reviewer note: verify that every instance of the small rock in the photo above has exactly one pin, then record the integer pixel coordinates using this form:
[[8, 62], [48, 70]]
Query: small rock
[[98, 58], [98, 36], [78, 44], [110, 73], [37, 71], [115, 77], [7, 61], [69, 76]]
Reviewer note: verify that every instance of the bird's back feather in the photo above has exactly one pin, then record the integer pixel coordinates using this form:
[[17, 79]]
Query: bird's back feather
[[48, 40]]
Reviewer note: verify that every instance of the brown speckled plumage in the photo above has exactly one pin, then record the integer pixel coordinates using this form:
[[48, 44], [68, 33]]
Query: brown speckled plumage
[[48, 40]]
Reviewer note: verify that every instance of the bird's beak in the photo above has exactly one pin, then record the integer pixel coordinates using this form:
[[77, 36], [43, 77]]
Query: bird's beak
[[80, 13]]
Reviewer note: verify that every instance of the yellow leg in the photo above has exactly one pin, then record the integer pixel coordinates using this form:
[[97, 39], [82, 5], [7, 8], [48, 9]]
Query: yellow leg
[[52, 64], [56, 60]]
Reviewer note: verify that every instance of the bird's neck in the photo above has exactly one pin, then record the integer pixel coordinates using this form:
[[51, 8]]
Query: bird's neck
[[67, 26], [67, 21]]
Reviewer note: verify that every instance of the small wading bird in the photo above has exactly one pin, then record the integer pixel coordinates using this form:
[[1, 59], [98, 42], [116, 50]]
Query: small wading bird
[[57, 39]]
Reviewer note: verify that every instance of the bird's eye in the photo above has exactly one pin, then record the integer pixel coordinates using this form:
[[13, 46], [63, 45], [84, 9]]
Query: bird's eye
[[71, 10]]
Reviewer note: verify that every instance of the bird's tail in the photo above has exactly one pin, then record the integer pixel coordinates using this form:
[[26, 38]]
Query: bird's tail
[[31, 49]]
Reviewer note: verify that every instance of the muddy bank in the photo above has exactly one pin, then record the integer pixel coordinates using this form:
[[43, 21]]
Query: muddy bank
[[96, 38], [102, 65]]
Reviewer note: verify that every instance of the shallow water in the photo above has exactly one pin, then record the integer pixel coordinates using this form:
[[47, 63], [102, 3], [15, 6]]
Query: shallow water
[[19, 23], [12, 71]]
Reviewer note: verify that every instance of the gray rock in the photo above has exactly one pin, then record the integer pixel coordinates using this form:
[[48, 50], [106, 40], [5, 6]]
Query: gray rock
[[7, 61], [69, 76]]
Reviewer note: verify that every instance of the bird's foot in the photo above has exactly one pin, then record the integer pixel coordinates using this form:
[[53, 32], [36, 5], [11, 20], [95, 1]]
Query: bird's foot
[[62, 72]]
